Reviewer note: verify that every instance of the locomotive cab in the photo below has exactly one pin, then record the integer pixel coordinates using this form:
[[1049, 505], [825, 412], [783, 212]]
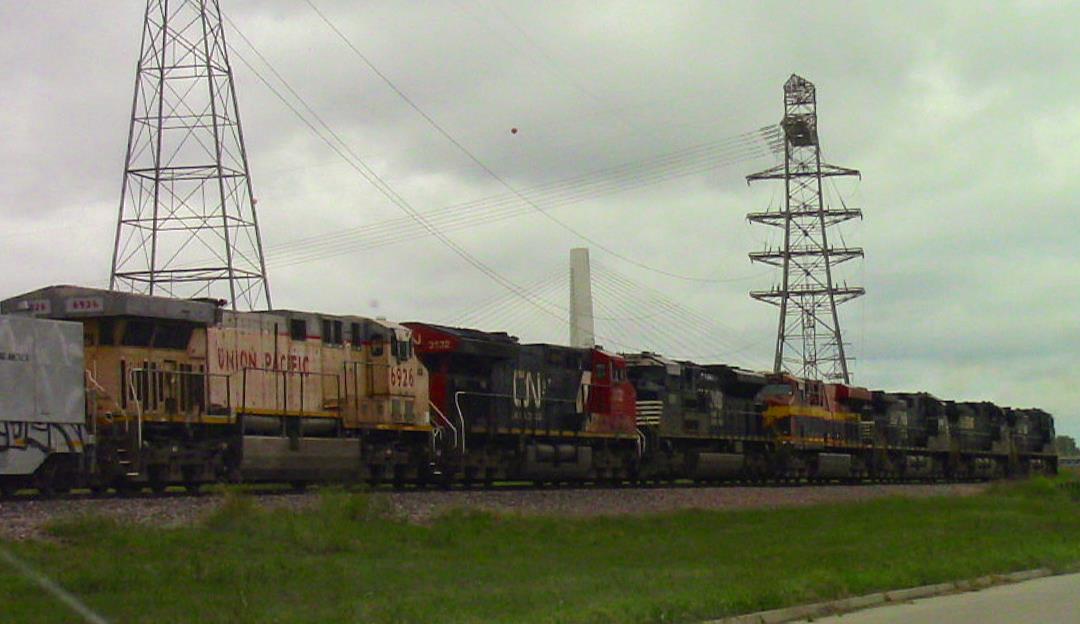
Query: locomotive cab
[[811, 412], [611, 397]]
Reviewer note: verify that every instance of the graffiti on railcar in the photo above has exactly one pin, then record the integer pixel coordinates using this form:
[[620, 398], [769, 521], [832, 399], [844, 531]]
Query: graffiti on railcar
[[24, 446]]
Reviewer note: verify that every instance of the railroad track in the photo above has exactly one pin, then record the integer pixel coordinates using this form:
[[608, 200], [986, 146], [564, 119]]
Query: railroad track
[[27, 517], [505, 486]]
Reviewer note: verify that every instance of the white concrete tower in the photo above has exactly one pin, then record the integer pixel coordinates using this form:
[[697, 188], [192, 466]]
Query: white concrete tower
[[581, 310]]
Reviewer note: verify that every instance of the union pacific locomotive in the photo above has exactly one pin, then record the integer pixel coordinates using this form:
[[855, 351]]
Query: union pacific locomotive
[[102, 389], [186, 392]]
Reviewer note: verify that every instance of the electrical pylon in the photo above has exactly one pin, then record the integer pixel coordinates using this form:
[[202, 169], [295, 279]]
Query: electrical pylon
[[187, 225], [809, 343]]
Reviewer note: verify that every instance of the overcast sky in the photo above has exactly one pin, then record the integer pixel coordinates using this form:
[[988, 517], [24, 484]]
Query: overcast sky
[[963, 118]]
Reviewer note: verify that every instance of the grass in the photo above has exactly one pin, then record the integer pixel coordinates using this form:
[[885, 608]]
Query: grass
[[349, 560]]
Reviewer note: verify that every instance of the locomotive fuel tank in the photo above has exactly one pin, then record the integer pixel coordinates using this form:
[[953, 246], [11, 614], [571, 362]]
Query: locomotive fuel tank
[[710, 465]]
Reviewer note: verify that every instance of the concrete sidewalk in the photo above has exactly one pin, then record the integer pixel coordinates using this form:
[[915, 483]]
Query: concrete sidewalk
[[1050, 600]]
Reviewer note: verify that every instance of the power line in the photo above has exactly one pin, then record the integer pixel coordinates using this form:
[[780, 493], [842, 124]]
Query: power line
[[337, 144], [394, 232], [736, 148], [707, 326], [368, 174], [464, 150], [569, 189], [361, 167]]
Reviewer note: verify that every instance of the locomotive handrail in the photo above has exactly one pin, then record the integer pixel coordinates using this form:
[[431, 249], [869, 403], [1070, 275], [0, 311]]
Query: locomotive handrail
[[94, 382], [510, 396], [205, 407], [446, 420], [92, 413], [98, 388], [461, 417], [285, 373], [133, 391]]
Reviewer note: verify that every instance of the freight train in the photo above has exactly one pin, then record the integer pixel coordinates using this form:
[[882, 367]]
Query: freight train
[[109, 390]]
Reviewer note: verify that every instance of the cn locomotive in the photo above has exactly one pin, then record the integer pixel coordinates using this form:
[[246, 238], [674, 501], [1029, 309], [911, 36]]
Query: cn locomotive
[[108, 390]]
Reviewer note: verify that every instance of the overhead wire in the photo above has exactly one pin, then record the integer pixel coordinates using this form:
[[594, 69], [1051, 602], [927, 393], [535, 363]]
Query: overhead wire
[[345, 152], [472, 157], [712, 153], [463, 215], [703, 157], [398, 233], [464, 315], [504, 312], [633, 287], [360, 166], [683, 315], [657, 335]]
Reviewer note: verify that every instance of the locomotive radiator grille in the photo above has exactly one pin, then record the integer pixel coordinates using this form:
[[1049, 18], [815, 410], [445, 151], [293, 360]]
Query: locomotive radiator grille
[[649, 412]]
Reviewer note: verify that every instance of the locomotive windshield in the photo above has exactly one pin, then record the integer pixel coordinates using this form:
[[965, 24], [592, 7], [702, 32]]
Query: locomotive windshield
[[600, 371], [775, 391], [400, 348]]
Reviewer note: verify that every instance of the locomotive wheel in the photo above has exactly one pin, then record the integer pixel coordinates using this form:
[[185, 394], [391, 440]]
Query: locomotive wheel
[[399, 476], [469, 479], [125, 488], [48, 480], [158, 482]]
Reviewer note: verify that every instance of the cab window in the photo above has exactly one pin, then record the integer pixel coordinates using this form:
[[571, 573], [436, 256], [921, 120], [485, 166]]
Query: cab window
[[106, 332], [298, 329], [172, 336], [331, 332], [138, 333], [775, 390], [399, 348]]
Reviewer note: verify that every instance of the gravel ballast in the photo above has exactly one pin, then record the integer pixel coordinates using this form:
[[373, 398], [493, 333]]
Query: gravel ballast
[[24, 519]]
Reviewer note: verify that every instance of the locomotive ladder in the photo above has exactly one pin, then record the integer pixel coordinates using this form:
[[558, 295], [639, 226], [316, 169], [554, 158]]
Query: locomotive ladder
[[122, 452]]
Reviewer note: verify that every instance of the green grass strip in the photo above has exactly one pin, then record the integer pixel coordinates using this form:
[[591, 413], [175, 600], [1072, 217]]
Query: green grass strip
[[349, 560]]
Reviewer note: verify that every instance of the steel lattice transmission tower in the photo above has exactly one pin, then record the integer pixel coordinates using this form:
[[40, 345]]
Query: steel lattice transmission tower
[[808, 341], [187, 224]]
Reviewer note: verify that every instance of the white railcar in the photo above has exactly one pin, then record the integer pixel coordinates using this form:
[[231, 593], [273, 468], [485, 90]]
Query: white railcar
[[43, 430]]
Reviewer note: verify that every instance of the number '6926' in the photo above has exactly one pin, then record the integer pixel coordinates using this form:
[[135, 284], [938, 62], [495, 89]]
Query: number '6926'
[[402, 377]]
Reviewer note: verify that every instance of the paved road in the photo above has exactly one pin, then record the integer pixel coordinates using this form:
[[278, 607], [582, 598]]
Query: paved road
[[1051, 600]]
